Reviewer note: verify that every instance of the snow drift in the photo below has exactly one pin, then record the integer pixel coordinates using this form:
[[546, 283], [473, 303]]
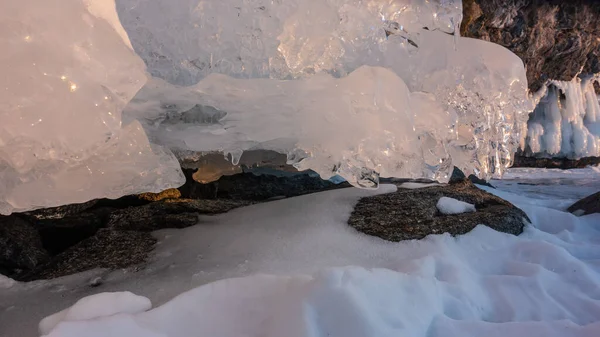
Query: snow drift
[[543, 282]]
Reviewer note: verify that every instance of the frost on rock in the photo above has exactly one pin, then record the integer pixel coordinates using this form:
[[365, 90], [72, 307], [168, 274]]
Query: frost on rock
[[67, 72], [566, 122], [354, 88]]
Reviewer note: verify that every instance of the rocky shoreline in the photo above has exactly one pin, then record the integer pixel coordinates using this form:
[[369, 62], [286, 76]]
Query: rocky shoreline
[[115, 234], [555, 163]]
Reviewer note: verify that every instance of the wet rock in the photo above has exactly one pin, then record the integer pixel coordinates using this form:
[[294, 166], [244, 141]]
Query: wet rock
[[171, 193], [559, 163], [107, 249], [556, 39], [587, 205], [476, 180], [20, 246], [249, 186], [170, 213], [412, 213], [458, 176]]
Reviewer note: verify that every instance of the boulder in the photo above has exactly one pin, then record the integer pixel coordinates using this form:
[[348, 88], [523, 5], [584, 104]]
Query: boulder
[[587, 205], [59, 234], [250, 186], [106, 249], [458, 176], [170, 213], [409, 214], [20, 246]]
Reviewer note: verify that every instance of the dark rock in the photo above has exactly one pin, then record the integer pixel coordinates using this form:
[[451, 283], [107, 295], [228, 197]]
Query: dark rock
[[60, 211], [476, 180], [412, 213], [248, 186], [60, 234], [457, 176], [171, 213], [587, 205], [560, 163], [20, 246], [107, 249], [556, 39]]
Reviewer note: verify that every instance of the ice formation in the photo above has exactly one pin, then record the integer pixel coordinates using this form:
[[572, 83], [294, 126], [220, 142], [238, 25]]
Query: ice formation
[[566, 122], [67, 72], [348, 87], [344, 87]]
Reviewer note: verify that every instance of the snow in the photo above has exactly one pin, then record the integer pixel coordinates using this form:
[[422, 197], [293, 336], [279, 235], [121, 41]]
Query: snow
[[6, 282], [293, 267], [96, 306], [450, 206], [567, 126]]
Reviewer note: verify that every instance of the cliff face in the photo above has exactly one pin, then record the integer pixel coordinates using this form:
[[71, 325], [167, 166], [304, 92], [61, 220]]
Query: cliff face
[[556, 39]]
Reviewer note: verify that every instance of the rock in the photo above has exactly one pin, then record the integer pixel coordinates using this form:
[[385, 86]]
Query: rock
[[212, 166], [20, 246], [412, 213], [170, 213], [248, 186], [61, 233], [556, 39], [171, 193], [476, 180], [60, 211], [458, 176], [107, 249], [587, 205], [559, 163]]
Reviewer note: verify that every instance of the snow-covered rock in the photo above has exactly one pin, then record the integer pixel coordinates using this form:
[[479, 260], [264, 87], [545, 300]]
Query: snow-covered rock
[[587, 205], [6, 282], [96, 306], [452, 206]]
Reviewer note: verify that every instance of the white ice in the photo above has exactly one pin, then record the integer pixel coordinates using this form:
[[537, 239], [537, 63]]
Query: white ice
[[97, 306], [566, 122], [450, 206], [68, 70], [544, 282], [344, 87], [324, 83]]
